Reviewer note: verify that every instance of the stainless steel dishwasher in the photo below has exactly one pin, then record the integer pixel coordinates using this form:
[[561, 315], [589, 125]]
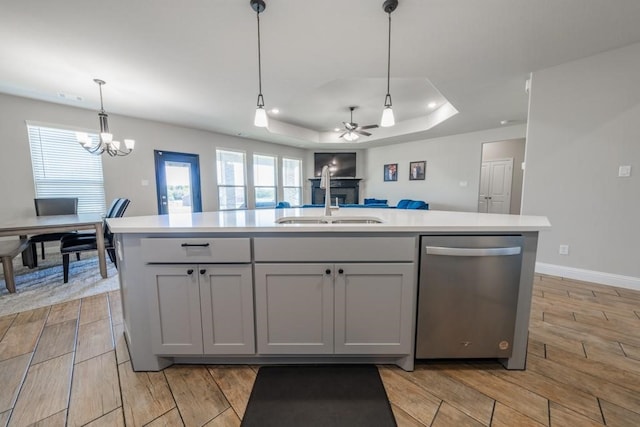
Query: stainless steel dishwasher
[[467, 297]]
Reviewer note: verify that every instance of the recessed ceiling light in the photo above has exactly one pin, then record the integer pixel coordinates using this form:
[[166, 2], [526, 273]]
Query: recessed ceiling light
[[275, 111], [337, 129], [432, 105], [505, 122]]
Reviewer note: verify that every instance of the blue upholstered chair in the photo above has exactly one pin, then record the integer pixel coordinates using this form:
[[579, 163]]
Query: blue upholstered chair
[[282, 205], [402, 204]]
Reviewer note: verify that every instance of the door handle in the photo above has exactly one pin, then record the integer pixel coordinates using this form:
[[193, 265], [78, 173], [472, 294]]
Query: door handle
[[439, 250]]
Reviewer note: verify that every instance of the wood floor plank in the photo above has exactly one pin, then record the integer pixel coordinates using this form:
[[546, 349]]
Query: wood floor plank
[[115, 307], [20, 339], [408, 396], [170, 419], [64, 311], [563, 336], [95, 390], [631, 351], [122, 351], [587, 382], [504, 416], [561, 417], [227, 419], [572, 283], [112, 419], [56, 339], [55, 420], [630, 327], [536, 347], [94, 339], [145, 395], [94, 308], [198, 397], [615, 358], [467, 399], [403, 419], [593, 303], [448, 416], [5, 322], [540, 331], [4, 418], [615, 415], [36, 315], [609, 370], [575, 399], [512, 395], [45, 391], [12, 374], [236, 383]]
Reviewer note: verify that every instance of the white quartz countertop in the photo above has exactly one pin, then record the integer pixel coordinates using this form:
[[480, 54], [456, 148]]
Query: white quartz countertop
[[264, 220]]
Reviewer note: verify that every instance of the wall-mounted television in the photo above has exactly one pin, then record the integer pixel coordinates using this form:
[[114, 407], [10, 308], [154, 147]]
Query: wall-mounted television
[[341, 165]]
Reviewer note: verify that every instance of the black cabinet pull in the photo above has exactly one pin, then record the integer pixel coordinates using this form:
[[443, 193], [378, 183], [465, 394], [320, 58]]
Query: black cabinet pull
[[203, 271], [196, 245], [328, 271], [190, 271], [341, 271]]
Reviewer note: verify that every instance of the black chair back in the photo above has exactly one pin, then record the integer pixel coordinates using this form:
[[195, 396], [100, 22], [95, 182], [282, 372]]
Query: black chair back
[[56, 206]]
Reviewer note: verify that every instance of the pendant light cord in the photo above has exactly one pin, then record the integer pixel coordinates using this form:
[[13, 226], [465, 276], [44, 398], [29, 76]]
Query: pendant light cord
[[260, 98], [389, 56]]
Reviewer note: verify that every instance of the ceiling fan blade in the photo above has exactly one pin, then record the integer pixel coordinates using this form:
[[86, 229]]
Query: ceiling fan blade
[[349, 126], [369, 127], [361, 132], [343, 134]]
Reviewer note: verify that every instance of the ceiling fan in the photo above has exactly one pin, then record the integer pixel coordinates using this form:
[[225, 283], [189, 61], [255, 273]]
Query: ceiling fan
[[353, 131]]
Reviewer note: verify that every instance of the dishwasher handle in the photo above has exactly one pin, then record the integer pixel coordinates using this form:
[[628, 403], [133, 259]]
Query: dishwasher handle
[[439, 250]]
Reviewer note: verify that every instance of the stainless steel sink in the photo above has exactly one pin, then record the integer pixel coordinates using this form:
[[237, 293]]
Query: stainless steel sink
[[329, 220]]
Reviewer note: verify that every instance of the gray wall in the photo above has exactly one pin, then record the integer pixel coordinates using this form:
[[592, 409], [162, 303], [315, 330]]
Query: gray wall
[[584, 122], [514, 149], [451, 162], [123, 175]]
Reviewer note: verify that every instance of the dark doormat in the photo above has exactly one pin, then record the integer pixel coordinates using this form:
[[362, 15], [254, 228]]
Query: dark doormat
[[327, 395]]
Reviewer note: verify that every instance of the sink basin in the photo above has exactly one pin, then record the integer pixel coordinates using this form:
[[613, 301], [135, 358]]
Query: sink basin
[[329, 220]]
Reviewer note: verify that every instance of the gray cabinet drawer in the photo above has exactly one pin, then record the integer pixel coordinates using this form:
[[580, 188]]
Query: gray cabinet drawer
[[314, 249], [196, 250]]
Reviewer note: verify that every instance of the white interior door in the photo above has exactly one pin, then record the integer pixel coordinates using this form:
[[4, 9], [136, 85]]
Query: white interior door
[[495, 186]]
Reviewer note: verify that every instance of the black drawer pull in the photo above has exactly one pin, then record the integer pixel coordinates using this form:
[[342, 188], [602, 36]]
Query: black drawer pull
[[203, 271], [327, 271], [190, 271], [341, 271], [198, 245]]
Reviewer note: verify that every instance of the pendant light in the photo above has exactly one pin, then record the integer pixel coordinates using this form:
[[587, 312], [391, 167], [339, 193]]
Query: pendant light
[[106, 144], [387, 114], [260, 119]]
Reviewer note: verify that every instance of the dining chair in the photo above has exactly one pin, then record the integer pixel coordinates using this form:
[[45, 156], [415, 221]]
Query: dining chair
[[51, 206], [82, 242]]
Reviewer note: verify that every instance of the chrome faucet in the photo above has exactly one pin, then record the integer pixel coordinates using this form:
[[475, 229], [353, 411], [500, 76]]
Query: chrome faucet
[[325, 182]]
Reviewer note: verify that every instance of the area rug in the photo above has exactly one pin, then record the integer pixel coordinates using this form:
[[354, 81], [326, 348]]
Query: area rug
[[327, 396], [44, 285]]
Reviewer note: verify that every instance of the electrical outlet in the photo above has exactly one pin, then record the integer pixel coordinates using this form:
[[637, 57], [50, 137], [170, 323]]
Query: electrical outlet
[[564, 250], [624, 171]]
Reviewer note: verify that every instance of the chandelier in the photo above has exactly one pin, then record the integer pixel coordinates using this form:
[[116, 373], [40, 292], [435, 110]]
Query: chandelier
[[106, 143]]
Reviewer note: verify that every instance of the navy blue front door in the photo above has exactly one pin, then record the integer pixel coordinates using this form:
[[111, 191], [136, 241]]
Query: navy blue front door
[[177, 182]]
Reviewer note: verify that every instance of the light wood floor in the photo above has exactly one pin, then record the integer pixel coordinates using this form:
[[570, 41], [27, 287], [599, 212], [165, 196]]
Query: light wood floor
[[68, 365]]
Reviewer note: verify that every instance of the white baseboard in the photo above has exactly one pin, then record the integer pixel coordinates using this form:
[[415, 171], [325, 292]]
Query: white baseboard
[[618, 280]]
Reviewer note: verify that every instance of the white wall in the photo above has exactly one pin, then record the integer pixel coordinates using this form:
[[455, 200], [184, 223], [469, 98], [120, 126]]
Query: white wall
[[450, 160], [584, 122], [123, 175]]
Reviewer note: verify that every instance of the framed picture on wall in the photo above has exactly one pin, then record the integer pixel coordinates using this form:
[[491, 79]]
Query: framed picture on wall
[[391, 172], [417, 170]]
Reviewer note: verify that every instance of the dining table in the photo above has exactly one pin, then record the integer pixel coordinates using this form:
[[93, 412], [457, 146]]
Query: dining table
[[31, 225]]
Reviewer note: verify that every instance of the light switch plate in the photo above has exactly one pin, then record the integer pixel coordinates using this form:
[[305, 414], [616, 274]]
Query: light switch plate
[[624, 171]]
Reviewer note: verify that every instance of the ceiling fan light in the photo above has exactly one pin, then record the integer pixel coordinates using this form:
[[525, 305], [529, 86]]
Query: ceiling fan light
[[351, 136], [387, 118], [261, 119]]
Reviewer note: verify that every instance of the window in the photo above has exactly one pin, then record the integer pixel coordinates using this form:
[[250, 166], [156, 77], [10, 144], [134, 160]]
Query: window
[[292, 181], [62, 168], [231, 180], [264, 180]]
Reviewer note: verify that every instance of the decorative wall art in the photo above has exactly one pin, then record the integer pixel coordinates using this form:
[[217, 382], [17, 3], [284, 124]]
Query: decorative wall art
[[391, 172], [417, 170]]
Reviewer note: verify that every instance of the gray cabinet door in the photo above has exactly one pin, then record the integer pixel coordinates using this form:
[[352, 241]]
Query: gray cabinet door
[[374, 308], [294, 308], [174, 298], [226, 300]]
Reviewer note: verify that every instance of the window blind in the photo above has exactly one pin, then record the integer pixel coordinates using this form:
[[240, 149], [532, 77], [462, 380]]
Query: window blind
[[62, 168]]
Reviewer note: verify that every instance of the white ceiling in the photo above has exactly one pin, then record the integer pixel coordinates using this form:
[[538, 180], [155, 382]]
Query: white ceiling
[[194, 63]]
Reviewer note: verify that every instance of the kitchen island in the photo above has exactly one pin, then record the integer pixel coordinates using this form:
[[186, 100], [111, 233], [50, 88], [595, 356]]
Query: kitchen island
[[290, 285]]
